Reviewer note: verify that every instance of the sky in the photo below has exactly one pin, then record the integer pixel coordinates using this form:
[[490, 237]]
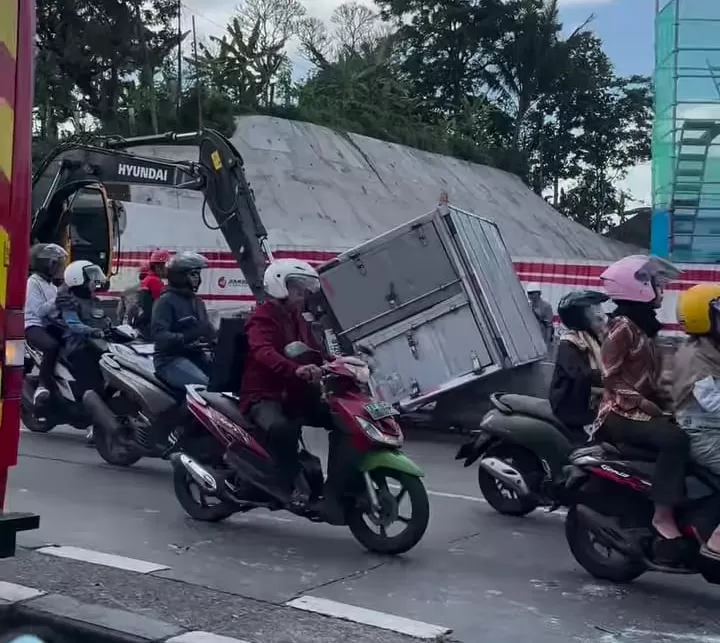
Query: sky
[[624, 26]]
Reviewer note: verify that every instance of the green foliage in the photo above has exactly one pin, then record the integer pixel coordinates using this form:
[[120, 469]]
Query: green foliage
[[490, 81]]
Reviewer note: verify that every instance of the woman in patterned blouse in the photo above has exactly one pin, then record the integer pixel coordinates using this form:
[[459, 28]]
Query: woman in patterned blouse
[[634, 409]]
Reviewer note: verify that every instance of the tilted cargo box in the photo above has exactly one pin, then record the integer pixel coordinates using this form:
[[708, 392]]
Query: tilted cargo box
[[438, 301]]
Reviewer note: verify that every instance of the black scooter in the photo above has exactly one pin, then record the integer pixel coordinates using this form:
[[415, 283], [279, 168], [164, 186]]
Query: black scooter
[[522, 448]]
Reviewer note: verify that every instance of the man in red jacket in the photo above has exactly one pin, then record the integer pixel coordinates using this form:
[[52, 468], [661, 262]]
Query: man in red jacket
[[276, 393], [151, 287]]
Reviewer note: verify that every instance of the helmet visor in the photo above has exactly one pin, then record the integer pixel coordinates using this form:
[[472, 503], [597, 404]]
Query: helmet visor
[[94, 275], [659, 271], [304, 283]]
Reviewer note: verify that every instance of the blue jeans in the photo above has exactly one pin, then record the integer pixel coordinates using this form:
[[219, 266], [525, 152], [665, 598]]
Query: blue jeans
[[181, 372]]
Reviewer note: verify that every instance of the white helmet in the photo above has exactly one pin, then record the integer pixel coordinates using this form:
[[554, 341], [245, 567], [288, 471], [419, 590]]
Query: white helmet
[[282, 271], [80, 272]]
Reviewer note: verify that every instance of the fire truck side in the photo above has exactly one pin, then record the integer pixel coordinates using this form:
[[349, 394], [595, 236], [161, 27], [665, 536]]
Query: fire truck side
[[16, 86]]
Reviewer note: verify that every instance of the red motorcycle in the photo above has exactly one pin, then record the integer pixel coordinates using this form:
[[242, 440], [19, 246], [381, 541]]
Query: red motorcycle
[[227, 467], [608, 525]]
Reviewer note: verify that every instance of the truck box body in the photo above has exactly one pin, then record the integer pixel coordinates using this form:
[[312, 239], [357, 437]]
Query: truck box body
[[438, 301]]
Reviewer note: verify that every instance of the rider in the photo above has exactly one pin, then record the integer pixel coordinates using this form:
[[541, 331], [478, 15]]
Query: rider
[[696, 382], [275, 391], [151, 287], [578, 364], [633, 408], [46, 263], [128, 304], [80, 316], [180, 326]]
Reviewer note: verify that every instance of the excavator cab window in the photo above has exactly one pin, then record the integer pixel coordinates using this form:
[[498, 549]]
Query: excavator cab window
[[88, 227]]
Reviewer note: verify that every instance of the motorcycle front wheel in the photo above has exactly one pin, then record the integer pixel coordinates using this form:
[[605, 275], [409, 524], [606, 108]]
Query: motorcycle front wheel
[[371, 529], [196, 503]]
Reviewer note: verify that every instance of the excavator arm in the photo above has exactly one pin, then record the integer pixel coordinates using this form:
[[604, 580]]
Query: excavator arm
[[85, 165]]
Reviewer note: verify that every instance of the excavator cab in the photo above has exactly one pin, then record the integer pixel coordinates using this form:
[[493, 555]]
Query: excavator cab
[[84, 222]]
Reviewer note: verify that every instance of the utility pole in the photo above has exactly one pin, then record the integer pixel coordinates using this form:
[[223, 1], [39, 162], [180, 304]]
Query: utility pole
[[198, 87], [179, 61]]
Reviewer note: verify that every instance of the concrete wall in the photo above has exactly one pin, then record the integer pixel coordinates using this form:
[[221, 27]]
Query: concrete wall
[[321, 189]]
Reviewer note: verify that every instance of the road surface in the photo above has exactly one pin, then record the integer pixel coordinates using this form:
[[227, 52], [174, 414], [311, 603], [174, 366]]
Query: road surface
[[485, 576]]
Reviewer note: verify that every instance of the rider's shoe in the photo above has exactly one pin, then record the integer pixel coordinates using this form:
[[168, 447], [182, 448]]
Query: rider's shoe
[[90, 438], [673, 552]]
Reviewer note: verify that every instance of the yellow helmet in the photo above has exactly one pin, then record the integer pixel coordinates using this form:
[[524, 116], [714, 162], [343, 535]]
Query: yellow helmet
[[693, 308]]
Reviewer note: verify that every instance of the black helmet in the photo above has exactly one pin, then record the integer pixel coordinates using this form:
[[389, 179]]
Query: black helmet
[[181, 266], [46, 258], [573, 308]]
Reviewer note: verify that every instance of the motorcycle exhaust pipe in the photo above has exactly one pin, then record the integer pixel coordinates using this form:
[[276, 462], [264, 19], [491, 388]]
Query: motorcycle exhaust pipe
[[198, 473], [99, 413], [606, 531], [507, 474]]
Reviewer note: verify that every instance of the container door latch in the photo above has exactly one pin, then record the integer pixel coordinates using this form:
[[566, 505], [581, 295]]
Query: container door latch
[[412, 344], [360, 265]]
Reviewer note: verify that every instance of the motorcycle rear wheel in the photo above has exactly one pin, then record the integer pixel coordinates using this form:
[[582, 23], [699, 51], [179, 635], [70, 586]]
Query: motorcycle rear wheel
[[492, 490], [415, 525], [109, 445], [195, 508], [580, 540], [27, 414]]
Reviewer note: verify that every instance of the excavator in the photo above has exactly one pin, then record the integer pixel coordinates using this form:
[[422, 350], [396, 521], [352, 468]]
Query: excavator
[[71, 207]]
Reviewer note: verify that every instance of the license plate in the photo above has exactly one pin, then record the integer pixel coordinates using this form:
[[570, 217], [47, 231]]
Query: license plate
[[380, 410]]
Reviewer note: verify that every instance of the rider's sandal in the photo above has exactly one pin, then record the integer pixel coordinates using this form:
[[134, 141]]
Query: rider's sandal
[[706, 552]]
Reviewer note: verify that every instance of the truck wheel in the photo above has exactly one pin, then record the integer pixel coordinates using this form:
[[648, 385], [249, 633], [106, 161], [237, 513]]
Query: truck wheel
[[500, 498], [372, 531]]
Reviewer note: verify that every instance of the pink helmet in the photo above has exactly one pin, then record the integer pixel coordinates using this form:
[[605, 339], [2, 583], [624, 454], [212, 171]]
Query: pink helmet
[[635, 278], [159, 256]]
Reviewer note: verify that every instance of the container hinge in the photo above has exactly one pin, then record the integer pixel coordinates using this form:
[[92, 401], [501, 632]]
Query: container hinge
[[360, 265], [414, 388], [412, 344], [477, 367], [391, 297]]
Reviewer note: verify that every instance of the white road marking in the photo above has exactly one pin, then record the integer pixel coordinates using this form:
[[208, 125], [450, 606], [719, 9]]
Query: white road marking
[[100, 558], [13, 593], [384, 621], [460, 496], [203, 637]]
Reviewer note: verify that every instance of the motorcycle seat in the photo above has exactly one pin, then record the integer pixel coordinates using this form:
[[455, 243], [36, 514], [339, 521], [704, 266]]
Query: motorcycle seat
[[147, 372], [535, 407], [226, 406], [620, 450]]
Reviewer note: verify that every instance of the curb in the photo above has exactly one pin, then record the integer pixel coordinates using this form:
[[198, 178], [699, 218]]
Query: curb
[[27, 607]]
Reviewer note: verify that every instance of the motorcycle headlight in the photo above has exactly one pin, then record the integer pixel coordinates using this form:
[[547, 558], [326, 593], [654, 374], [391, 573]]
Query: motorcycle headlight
[[377, 435]]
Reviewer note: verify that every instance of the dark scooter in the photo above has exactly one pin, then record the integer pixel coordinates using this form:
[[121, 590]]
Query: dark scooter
[[65, 406], [239, 474], [608, 525], [522, 448]]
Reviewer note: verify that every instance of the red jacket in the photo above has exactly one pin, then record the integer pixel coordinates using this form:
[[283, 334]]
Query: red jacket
[[154, 284], [268, 374]]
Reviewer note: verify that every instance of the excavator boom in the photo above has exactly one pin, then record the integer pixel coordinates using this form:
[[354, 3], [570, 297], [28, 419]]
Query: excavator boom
[[218, 173]]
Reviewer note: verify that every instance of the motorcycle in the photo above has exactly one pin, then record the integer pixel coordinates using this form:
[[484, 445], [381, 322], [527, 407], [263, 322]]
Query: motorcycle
[[135, 398], [609, 489], [522, 448], [239, 474], [66, 406]]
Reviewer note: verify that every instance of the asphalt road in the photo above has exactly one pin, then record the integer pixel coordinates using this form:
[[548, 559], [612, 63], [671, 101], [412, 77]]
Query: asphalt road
[[486, 576]]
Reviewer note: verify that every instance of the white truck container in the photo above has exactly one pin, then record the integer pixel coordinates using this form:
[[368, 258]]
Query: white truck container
[[439, 303]]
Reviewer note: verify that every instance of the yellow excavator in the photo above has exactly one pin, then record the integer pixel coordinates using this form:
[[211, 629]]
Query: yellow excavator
[[71, 207]]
